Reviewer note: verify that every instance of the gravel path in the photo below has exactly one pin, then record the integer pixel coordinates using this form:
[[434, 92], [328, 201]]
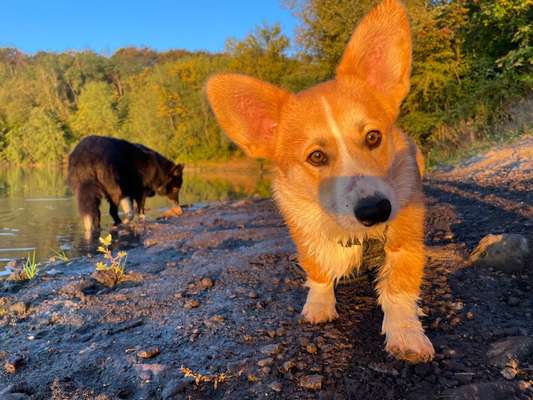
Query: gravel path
[[211, 310]]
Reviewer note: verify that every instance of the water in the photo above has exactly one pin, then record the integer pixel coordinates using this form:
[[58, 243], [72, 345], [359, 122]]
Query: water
[[38, 211]]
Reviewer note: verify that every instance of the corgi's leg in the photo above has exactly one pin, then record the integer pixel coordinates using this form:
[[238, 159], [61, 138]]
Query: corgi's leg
[[398, 286], [320, 304]]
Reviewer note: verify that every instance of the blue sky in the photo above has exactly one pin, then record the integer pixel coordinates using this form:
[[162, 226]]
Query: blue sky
[[104, 26]]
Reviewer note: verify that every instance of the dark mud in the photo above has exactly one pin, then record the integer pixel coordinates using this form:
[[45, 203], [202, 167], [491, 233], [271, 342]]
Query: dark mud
[[214, 310]]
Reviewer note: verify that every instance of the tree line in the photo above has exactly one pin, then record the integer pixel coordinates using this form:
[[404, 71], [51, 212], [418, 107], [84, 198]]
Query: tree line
[[472, 58]]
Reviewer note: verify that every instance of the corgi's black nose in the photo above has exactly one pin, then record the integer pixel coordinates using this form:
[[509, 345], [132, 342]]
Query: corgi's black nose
[[372, 210]]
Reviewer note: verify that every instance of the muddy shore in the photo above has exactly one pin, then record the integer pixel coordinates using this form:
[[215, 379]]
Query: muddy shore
[[213, 309]]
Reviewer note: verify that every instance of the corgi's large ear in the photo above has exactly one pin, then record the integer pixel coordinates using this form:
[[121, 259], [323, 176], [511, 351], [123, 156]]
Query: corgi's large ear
[[248, 110], [379, 52]]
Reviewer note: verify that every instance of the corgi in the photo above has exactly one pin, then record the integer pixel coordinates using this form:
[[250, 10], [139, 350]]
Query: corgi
[[343, 172]]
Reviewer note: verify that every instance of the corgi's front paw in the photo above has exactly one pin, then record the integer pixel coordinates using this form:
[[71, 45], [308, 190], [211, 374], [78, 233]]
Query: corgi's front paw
[[409, 344], [317, 312]]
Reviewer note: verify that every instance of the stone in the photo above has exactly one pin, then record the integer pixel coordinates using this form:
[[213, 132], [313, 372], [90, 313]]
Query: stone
[[312, 382], [276, 387], [13, 363], [19, 308], [510, 351], [149, 353], [192, 303], [206, 283], [271, 349], [506, 252], [174, 387], [265, 362], [497, 390], [311, 348]]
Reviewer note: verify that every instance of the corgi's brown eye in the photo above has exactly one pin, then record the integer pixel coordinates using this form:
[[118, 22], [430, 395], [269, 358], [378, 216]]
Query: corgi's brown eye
[[317, 158], [373, 139]]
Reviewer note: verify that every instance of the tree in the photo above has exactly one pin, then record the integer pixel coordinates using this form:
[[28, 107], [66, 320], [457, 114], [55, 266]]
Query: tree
[[40, 140], [96, 113], [261, 54]]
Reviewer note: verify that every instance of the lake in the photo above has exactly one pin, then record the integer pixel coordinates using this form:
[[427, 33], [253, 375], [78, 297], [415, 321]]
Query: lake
[[38, 212]]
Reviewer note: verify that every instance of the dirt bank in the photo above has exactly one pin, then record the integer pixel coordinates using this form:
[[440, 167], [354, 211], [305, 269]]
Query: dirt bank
[[219, 294]]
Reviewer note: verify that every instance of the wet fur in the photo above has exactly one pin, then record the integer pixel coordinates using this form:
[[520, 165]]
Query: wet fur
[[318, 202], [102, 167]]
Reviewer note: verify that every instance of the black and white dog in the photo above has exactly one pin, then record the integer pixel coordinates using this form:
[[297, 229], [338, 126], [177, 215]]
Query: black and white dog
[[121, 172]]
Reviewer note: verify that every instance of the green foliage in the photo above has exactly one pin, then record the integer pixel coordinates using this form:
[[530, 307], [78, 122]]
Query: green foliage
[[471, 58], [39, 140], [96, 113], [30, 267]]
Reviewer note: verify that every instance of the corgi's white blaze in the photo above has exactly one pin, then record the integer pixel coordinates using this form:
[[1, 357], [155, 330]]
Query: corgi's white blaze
[[344, 154], [320, 304]]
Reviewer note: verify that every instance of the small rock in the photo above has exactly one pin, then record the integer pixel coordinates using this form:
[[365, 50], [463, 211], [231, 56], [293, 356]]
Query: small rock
[[265, 362], [271, 349], [206, 283], [19, 308], [13, 363], [510, 351], [487, 391], [456, 321], [313, 382], [288, 365], [506, 252], [252, 294], [509, 373], [464, 377], [513, 301], [149, 353], [266, 370], [311, 348], [276, 386], [172, 388], [470, 315], [457, 306], [383, 368], [191, 303]]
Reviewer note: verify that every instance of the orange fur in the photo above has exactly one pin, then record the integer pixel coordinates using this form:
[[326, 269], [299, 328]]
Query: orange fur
[[319, 202]]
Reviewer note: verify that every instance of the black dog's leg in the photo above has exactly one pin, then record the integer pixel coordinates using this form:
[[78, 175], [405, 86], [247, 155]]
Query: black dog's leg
[[89, 197], [113, 211]]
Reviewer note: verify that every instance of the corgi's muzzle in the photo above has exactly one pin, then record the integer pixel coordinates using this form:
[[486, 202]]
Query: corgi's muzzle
[[372, 210]]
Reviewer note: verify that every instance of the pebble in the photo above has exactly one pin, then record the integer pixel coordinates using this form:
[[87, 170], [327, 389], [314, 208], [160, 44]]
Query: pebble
[[271, 349], [174, 387], [265, 362], [470, 315], [252, 294], [311, 348], [276, 386], [288, 365], [266, 370], [13, 363], [456, 321], [509, 351], [513, 301], [149, 353], [192, 303], [206, 283], [313, 382], [19, 308], [509, 373]]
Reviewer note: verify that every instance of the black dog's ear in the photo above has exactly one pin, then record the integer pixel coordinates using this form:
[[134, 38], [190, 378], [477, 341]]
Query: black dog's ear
[[178, 169]]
